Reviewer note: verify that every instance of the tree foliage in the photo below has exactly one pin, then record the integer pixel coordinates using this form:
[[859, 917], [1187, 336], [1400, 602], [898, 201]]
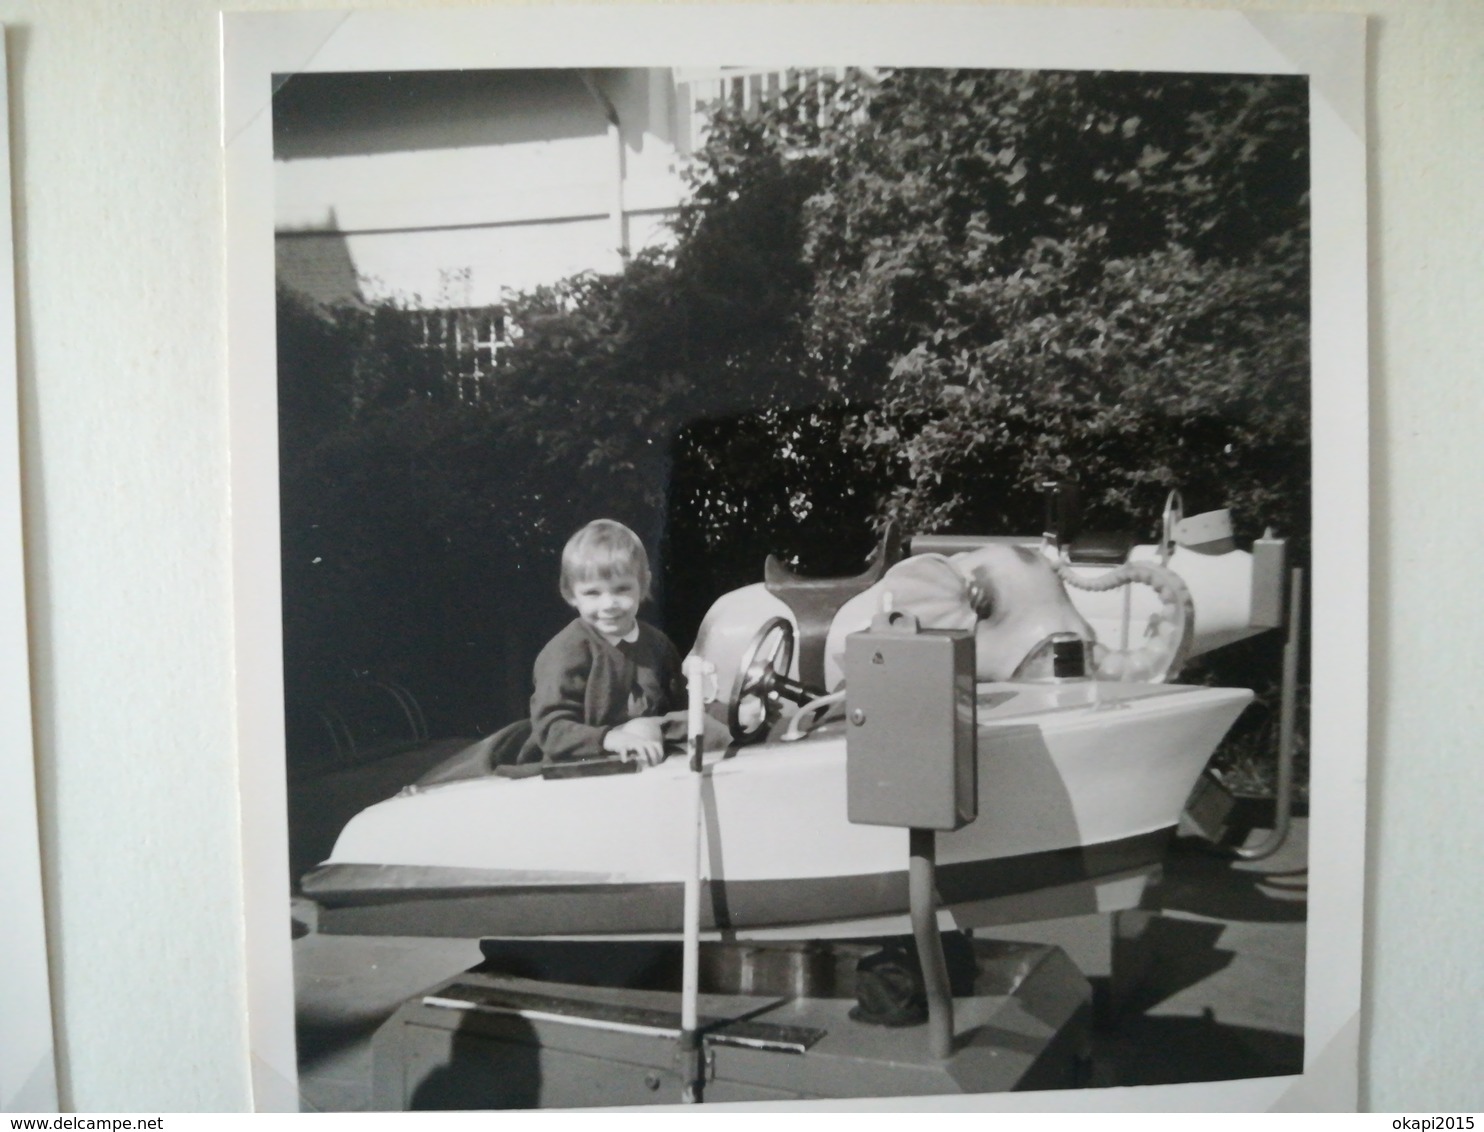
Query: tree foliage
[[1094, 276]]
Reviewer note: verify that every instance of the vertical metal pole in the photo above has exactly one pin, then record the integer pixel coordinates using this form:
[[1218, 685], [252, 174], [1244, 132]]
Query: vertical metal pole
[[923, 904], [1128, 616], [691, 1061], [1287, 721]]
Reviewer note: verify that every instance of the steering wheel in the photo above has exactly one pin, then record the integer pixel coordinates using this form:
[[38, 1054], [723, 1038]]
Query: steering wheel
[[762, 675]]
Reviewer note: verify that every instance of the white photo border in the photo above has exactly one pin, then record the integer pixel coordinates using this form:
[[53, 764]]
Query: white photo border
[[1330, 49], [28, 1077]]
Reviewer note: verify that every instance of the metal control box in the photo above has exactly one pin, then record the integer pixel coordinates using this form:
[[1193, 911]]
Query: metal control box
[[910, 730]]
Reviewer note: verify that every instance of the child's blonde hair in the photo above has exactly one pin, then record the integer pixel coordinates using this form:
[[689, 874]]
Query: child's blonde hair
[[603, 549]]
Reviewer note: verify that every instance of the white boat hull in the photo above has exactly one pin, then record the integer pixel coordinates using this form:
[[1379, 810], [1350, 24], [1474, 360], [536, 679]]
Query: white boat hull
[[1080, 785]]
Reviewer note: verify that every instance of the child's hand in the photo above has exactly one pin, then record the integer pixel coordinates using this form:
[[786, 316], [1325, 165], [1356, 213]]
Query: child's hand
[[638, 740]]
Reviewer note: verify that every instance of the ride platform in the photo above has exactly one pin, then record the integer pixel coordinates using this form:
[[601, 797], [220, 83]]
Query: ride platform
[[583, 1025]]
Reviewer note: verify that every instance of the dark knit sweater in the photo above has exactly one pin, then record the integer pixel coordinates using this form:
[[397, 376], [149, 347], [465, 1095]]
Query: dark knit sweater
[[586, 686]]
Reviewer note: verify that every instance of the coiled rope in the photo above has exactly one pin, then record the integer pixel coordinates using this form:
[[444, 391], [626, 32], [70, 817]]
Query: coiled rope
[[1168, 635]]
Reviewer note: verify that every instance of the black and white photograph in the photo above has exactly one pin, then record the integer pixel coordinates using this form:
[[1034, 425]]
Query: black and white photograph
[[798, 581]]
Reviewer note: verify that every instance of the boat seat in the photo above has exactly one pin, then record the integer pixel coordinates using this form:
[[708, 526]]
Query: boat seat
[[815, 601]]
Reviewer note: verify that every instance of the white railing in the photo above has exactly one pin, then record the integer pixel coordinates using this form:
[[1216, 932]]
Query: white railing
[[700, 91]]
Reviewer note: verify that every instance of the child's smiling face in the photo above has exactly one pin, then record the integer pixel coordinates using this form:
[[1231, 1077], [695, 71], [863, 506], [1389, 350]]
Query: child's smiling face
[[609, 605]]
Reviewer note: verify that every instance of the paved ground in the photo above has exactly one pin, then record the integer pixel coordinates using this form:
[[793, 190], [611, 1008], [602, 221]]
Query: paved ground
[[1221, 992], [1209, 985], [348, 986]]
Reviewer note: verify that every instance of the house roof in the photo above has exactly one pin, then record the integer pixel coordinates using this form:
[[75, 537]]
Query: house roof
[[319, 266]]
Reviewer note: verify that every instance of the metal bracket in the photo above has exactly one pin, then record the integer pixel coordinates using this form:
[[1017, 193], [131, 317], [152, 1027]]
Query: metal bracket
[[708, 1062]]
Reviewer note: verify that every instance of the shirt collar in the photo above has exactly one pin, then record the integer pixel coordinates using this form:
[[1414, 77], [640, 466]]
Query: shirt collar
[[627, 639]]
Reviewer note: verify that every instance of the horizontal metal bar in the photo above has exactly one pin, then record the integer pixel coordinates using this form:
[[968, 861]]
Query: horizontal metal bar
[[621, 1018]]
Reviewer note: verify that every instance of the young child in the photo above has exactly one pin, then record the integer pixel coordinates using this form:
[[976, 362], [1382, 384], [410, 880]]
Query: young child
[[604, 682]]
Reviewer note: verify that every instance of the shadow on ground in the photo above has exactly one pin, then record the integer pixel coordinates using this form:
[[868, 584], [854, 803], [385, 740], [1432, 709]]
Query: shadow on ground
[[1206, 883], [1169, 1050], [321, 1041]]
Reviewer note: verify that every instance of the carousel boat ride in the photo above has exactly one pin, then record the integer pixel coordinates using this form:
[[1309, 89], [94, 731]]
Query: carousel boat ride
[[1084, 751]]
